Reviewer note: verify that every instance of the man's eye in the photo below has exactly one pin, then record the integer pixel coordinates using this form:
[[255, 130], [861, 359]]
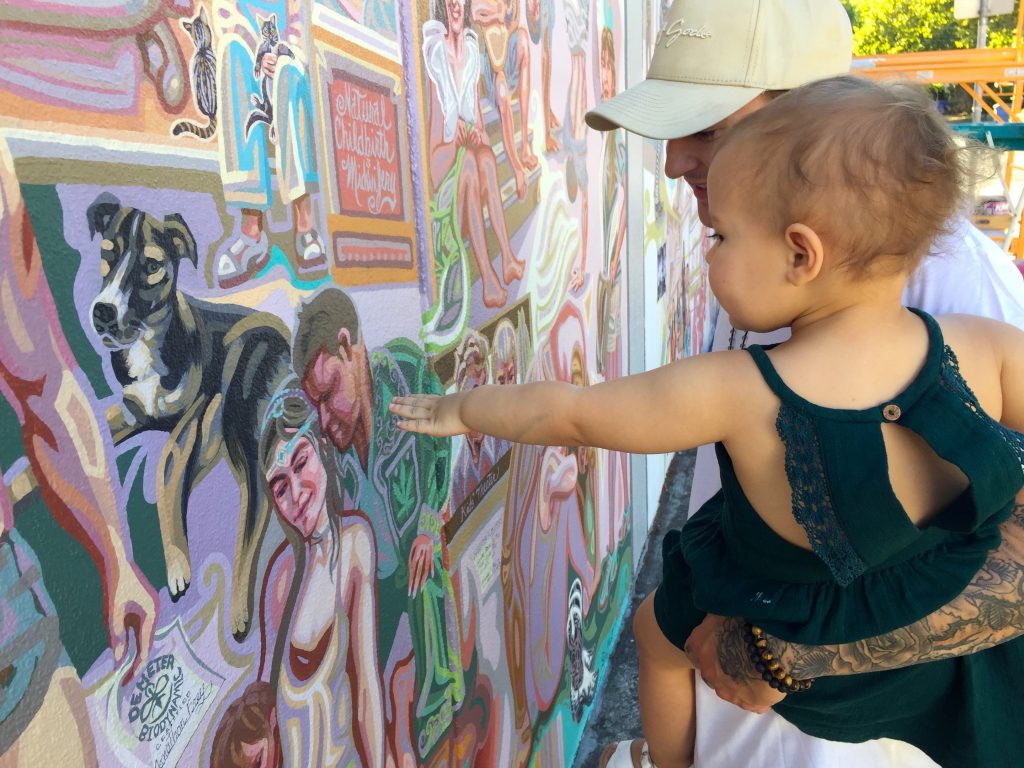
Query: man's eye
[[152, 267], [717, 237]]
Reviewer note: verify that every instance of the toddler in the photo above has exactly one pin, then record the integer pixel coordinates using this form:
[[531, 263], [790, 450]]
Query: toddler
[[866, 462]]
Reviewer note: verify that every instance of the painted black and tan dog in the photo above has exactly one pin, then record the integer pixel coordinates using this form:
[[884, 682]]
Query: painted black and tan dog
[[201, 372]]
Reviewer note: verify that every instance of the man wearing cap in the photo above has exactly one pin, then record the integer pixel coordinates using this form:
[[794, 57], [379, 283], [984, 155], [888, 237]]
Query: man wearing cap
[[715, 62]]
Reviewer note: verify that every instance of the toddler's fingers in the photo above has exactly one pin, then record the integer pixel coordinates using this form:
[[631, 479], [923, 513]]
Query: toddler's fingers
[[412, 404], [407, 411]]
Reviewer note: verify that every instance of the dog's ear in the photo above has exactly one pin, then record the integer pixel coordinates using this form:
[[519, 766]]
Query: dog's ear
[[101, 213], [181, 236]]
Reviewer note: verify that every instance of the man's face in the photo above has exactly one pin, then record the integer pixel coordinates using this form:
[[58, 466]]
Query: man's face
[[689, 157], [332, 384]]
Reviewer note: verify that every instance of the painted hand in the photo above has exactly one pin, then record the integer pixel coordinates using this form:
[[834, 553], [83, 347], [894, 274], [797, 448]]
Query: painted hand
[[6, 509], [717, 650], [462, 133], [429, 414], [421, 563], [131, 608], [575, 278], [268, 65], [477, 137]]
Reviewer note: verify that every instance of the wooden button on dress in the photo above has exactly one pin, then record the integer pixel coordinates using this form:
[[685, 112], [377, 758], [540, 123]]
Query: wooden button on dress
[[892, 412]]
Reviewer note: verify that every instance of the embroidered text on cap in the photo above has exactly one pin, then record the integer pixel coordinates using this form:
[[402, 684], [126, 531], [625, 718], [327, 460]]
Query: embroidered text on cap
[[677, 29]]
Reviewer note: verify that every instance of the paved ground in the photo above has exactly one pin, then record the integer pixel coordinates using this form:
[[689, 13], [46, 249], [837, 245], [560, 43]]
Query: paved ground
[[615, 715]]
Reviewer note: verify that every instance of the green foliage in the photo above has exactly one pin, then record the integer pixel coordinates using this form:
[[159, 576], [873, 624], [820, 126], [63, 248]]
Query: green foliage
[[901, 26]]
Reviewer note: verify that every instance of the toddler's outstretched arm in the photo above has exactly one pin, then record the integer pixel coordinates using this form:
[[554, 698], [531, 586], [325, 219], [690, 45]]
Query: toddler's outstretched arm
[[679, 406]]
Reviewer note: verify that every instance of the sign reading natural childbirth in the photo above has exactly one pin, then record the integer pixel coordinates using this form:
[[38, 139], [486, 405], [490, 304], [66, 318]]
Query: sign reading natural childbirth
[[366, 149]]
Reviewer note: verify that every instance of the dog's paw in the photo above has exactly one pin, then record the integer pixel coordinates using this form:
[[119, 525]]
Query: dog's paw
[[240, 620], [179, 572]]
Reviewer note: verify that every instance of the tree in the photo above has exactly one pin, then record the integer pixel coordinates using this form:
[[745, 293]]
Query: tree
[[899, 26]]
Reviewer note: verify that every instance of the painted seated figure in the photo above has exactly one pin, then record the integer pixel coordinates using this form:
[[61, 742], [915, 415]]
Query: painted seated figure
[[266, 109]]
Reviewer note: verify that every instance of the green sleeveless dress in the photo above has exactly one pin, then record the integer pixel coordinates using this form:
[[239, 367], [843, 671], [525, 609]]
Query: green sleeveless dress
[[871, 570]]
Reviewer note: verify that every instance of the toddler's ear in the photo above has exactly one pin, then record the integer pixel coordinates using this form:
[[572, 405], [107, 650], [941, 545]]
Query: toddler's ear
[[806, 254]]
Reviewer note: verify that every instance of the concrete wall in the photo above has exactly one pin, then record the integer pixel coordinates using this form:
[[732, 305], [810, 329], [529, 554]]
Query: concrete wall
[[230, 231]]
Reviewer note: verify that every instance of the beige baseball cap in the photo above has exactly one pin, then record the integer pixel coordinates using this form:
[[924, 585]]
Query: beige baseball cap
[[715, 56]]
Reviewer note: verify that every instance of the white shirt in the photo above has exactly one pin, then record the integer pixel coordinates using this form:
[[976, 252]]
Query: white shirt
[[964, 272]]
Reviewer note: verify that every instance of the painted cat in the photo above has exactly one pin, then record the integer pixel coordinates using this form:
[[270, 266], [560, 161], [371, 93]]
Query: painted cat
[[204, 78], [263, 106]]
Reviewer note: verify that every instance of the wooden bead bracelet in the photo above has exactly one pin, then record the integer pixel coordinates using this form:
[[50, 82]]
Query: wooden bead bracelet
[[768, 666]]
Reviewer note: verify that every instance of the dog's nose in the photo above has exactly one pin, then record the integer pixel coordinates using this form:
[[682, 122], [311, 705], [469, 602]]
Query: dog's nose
[[104, 316]]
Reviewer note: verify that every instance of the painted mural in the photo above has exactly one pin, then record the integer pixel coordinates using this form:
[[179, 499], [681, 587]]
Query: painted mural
[[675, 242], [230, 232]]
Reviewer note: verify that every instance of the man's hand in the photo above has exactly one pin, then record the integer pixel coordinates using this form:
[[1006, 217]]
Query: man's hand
[[429, 414], [717, 648], [131, 608], [421, 563]]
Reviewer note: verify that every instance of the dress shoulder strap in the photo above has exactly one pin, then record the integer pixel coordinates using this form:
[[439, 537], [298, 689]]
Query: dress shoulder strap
[[771, 377], [925, 378]]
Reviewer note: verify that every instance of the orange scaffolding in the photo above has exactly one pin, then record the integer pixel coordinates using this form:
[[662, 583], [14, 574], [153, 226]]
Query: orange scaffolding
[[988, 68]]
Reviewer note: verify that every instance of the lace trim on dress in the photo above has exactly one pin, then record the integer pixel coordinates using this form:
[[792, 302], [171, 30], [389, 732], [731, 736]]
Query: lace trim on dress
[[953, 381], [812, 503]]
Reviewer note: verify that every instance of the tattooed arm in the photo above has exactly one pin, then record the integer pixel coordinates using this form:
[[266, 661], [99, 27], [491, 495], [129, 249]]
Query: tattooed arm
[[988, 612]]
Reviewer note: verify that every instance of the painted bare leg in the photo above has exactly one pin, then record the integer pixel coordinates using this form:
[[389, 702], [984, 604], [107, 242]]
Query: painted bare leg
[[512, 268], [60, 733], [508, 134], [529, 159], [471, 207], [551, 123]]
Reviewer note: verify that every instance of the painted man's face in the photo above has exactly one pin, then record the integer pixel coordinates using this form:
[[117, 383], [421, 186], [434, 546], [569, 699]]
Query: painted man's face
[[332, 383], [607, 75], [505, 371], [576, 372], [455, 9], [476, 375]]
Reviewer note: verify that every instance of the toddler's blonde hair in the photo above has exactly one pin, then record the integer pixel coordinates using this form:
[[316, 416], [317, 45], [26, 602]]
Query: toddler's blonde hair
[[871, 167]]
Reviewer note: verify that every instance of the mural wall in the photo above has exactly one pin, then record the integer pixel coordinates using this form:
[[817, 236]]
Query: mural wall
[[230, 232], [681, 309]]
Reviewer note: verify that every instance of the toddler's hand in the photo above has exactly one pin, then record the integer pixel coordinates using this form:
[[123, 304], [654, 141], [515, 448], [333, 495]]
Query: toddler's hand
[[429, 415]]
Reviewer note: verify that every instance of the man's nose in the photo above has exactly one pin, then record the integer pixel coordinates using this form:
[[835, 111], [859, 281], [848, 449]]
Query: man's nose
[[681, 156]]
